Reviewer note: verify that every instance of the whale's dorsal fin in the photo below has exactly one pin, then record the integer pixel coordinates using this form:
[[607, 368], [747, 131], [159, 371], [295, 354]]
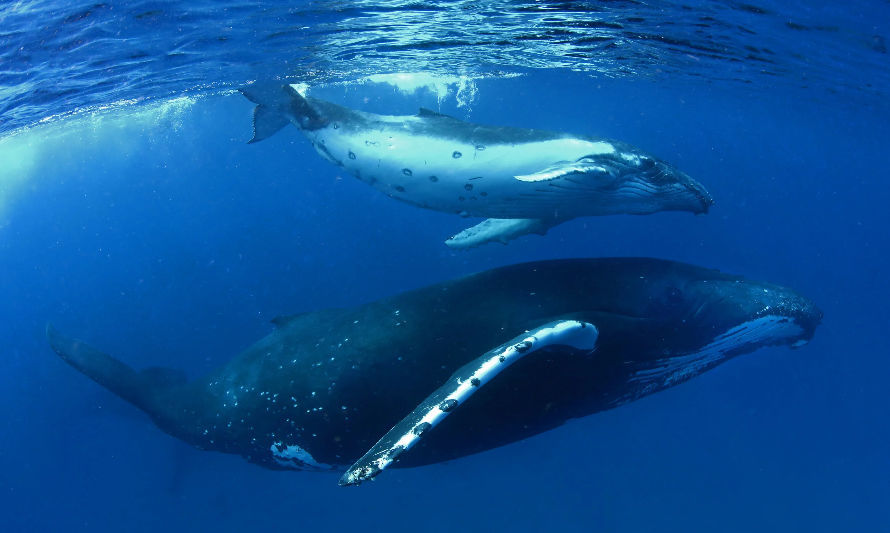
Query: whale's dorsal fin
[[425, 112], [579, 338], [283, 320]]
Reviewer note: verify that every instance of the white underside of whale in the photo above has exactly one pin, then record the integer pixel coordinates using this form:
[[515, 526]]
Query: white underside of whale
[[454, 176]]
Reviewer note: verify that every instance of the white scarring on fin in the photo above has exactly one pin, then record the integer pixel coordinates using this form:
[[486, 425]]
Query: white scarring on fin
[[292, 456], [577, 335], [500, 230]]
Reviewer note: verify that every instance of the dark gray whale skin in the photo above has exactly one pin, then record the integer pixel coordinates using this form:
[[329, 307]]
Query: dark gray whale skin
[[332, 382]]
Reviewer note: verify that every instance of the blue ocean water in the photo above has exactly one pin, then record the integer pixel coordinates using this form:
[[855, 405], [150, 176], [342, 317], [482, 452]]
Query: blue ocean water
[[133, 214]]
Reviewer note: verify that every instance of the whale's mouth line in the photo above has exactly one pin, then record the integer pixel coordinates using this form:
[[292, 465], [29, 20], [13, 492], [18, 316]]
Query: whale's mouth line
[[759, 331], [633, 195], [677, 195], [636, 188]]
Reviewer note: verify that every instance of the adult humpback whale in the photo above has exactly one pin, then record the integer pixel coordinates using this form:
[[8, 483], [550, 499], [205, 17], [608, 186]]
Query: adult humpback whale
[[491, 358], [523, 181]]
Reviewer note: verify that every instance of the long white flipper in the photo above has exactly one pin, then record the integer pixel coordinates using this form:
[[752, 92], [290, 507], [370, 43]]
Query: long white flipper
[[501, 230], [573, 334], [570, 168]]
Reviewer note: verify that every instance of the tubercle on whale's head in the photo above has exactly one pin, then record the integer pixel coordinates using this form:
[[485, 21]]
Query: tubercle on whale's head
[[672, 189], [703, 199]]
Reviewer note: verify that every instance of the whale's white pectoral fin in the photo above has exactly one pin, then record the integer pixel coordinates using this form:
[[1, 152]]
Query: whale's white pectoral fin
[[501, 230], [563, 169], [578, 338]]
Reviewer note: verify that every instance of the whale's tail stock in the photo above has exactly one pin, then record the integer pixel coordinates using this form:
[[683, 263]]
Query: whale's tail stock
[[277, 105], [140, 388]]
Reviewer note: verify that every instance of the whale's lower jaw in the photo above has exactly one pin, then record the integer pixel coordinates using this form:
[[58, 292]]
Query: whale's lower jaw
[[675, 369]]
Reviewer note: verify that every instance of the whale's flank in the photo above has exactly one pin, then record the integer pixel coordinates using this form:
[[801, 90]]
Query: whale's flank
[[321, 389]]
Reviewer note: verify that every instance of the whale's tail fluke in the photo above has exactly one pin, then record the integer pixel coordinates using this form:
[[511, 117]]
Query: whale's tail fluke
[[137, 387], [277, 105]]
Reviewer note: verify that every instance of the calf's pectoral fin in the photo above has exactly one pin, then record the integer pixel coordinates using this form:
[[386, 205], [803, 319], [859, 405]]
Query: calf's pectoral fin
[[563, 169], [501, 230], [578, 337]]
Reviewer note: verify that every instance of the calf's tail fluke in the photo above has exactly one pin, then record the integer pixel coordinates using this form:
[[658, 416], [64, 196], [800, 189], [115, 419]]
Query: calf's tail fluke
[[137, 387], [277, 105]]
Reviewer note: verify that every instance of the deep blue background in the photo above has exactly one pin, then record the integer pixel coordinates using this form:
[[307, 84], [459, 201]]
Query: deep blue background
[[161, 237]]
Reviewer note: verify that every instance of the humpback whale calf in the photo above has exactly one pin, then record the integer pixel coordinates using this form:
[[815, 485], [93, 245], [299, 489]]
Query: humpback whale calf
[[521, 180], [462, 366]]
